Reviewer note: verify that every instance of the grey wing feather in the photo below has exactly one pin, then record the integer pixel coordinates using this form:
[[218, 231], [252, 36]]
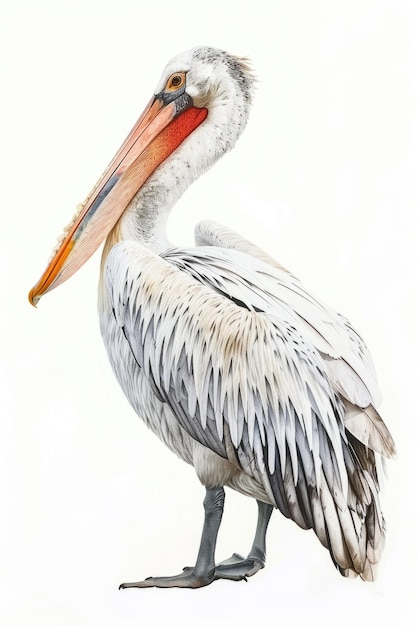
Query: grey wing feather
[[348, 361]]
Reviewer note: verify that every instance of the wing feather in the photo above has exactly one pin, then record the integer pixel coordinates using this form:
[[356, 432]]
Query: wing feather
[[244, 357], [330, 340], [344, 353]]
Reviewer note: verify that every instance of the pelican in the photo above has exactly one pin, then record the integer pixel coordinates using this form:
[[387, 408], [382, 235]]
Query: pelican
[[222, 352]]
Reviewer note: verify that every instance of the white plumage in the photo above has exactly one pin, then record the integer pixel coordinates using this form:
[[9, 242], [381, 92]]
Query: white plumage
[[260, 378]]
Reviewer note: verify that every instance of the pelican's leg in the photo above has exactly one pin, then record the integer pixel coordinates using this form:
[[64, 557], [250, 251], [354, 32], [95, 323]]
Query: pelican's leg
[[203, 573], [237, 567]]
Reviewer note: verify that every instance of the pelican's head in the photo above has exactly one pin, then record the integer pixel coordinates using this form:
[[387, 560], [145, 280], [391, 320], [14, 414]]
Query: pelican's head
[[205, 89]]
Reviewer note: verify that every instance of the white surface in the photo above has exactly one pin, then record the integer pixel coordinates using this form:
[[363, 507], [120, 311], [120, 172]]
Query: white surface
[[324, 178]]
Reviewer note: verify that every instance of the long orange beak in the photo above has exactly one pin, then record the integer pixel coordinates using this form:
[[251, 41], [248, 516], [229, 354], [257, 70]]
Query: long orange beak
[[156, 134]]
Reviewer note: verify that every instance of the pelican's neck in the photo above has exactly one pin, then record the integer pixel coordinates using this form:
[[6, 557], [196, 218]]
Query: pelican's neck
[[145, 218]]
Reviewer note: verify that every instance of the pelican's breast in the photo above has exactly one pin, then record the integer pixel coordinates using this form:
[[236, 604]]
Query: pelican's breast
[[212, 469]]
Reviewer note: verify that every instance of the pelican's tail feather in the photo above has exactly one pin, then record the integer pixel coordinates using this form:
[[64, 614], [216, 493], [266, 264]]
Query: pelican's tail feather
[[355, 532]]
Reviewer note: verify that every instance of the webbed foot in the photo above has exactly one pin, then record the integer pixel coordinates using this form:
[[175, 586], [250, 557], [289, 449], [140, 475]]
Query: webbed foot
[[238, 568], [188, 578]]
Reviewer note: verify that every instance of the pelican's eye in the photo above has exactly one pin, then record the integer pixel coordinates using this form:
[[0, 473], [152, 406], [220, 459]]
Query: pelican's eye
[[175, 81]]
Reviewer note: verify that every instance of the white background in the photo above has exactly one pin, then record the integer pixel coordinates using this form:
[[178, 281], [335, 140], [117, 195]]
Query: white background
[[323, 178]]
